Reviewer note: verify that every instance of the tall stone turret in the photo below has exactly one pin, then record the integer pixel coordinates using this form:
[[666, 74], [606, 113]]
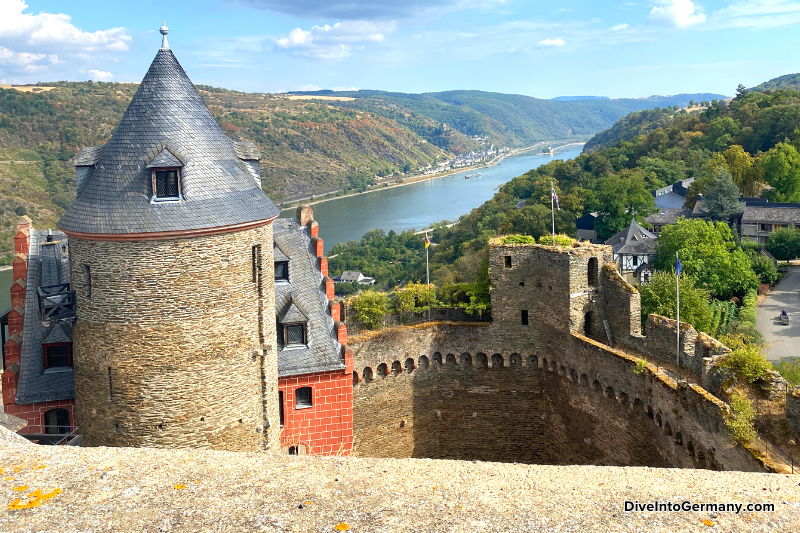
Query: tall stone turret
[[171, 258]]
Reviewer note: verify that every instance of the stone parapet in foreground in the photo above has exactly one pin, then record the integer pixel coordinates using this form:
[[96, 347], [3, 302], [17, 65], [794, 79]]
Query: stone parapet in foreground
[[128, 489]]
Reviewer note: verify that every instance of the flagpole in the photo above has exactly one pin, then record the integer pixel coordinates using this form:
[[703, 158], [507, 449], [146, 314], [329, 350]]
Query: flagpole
[[427, 272], [552, 211], [678, 306]]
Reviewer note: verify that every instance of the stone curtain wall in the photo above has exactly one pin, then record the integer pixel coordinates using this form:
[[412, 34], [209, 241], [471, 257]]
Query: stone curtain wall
[[793, 410], [580, 403], [166, 349]]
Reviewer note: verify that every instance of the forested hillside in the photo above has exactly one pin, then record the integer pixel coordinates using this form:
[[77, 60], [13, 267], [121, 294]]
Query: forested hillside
[[511, 119], [754, 138], [308, 146], [787, 81]]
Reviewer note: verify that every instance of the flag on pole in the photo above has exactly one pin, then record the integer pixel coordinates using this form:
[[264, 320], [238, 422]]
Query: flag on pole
[[677, 266], [555, 196], [427, 241]]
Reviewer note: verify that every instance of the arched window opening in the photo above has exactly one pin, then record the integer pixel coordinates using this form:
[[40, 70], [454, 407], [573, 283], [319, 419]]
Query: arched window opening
[[667, 429], [497, 361], [383, 370], [610, 393], [545, 365], [678, 438], [482, 360], [623, 398], [690, 448], [658, 420], [437, 358], [367, 373], [552, 366], [584, 380], [409, 365], [532, 361], [573, 375], [592, 272], [424, 362], [450, 359], [596, 386], [396, 368], [562, 370], [650, 412], [701, 459], [465, 359], [355, 378], [56, 422], [516, 359]]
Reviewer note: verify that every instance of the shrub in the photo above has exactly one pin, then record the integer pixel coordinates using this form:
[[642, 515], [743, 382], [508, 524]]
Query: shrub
[[789, 370], [747, 313], [740, 421], [764, 268], [519, 239], [658, 297], [561, 240], [747, 330], [784, 243], [745, 359], [639, 366], [370, 307]]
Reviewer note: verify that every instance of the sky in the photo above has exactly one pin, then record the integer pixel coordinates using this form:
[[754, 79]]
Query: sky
[[541, 49]]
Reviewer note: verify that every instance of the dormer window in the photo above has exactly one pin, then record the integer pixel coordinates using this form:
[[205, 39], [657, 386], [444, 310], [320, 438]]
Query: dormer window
[[281, 270], [166, 184], [294, 335], [166, 176]]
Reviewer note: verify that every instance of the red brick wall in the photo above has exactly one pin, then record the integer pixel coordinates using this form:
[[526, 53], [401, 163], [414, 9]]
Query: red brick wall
[[34, 413], [326, 428]]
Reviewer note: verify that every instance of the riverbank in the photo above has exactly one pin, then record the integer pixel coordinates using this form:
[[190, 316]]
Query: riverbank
[[382, 186]]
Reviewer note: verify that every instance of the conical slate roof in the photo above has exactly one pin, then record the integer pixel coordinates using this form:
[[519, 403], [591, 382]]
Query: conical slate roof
[[633, 240], [167, 113]]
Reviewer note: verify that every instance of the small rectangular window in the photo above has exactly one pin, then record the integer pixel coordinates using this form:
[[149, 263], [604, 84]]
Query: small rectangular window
[[508, 261], [166, 184], [295, 335], [256, 260], [87, 274], [524, 317], [57, 356], [281, 271], [302, 398], [280, 406]]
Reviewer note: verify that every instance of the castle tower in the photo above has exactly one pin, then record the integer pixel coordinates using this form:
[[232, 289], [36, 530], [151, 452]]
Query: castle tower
[[172, 263]]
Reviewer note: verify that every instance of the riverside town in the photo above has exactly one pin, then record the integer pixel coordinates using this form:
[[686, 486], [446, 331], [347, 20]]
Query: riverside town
[[369, 267]]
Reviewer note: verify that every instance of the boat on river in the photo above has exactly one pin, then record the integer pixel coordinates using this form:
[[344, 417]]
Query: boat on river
[[470, 176]]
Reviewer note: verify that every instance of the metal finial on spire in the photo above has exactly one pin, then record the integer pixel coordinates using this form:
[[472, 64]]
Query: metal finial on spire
[[164, 31]]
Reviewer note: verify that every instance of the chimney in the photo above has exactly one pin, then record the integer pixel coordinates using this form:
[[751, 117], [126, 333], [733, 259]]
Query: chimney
[[305, 214]]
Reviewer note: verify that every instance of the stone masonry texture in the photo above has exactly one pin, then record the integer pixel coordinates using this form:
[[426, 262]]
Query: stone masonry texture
[[167, 349], [548, 391], [124, 490]]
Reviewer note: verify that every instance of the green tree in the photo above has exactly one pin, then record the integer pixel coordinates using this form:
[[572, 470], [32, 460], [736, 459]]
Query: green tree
[[615, 198], [765, 268], [722, 198], [659, 298], [784, 243], [781, 169], [709, 254], [370, 308], [739, 164]]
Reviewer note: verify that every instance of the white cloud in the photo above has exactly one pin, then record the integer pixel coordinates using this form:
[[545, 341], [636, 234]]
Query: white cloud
[[757, 14], [345, 89], [101, 75], [334, 42], [619, 27], [553, 42], [307, 87], [36, 42], [680, 13], [368, 9]]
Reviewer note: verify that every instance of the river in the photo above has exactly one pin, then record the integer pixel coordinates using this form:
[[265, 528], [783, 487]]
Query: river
[[401, 208], [420, 204]]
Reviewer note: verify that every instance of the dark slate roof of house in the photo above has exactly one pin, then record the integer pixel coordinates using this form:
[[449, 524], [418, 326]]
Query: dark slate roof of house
[[633, 240], [165, 158], [246, 151], [89, 156], [668, 216], [217, 186], [774, 215], [304, 294], [278, 253], [47, 265]]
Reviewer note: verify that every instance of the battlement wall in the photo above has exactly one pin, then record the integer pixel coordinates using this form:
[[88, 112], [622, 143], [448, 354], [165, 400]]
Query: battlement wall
[[454, 391]]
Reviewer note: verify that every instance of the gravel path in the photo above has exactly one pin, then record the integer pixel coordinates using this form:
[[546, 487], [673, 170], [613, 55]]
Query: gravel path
[[784, 341], [126, 489]]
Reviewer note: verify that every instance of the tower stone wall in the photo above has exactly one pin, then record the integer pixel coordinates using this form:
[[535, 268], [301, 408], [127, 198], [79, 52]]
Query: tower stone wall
[[174, 343]]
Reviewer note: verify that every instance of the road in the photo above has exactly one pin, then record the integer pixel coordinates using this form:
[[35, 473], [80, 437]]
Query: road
[[784, 341]]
